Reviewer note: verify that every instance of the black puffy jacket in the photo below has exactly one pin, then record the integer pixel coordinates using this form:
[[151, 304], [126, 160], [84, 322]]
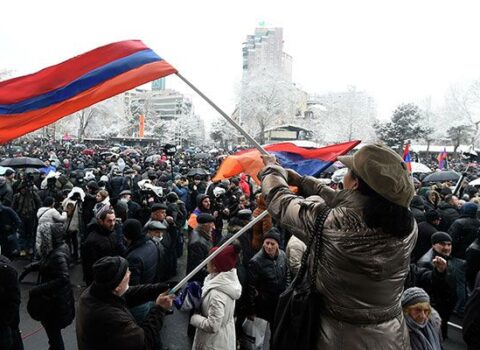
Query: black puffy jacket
[[464, 232], [143, 259], [99, 243], [473, 263], [9, 304], [55, 285], [267, 279], [449, 214], [198, 249]]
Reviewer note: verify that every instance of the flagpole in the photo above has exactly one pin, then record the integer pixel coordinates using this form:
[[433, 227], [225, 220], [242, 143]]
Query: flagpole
[[216, 252], [230, 120]]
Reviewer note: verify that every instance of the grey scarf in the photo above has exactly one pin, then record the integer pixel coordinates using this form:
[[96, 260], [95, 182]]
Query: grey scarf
[[423, 337]]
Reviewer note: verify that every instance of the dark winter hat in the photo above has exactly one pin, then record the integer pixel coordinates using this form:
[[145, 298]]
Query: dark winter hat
[[172, 197], [158, 206], [226, 259], [469, 209], [132, 229], [9, 172], [414, 295], [109, 271], [384, 171], [440, 236], [417, 202], [93, 185], [273, 233], [124, 192], [155, 225], [205, 218], [432, 215], [244, 214], [48, 201], [129, 171], [200, 199]]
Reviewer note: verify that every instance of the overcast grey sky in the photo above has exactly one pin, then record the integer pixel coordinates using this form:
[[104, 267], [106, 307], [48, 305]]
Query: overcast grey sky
[[398, 51]]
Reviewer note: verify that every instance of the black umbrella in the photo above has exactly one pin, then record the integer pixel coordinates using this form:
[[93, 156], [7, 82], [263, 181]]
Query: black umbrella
[[442, 176], [23, 162], [197, 171]]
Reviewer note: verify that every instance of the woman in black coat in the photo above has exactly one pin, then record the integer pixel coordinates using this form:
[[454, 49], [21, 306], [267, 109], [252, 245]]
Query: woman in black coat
[[51, 301]]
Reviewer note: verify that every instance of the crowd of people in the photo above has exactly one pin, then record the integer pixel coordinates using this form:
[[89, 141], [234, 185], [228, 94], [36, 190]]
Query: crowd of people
[[126, 215]]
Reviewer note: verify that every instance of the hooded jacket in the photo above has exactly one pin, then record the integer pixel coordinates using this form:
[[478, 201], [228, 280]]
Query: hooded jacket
[[368, 265], [215, 325]]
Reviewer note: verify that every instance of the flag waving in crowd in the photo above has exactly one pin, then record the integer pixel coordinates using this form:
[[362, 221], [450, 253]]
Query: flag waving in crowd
[[305, 161], [32, 101], [406, 157], [442, 159]]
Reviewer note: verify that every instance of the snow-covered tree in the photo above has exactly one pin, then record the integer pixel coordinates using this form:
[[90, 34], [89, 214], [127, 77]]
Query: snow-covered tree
[[458, 135], [462, 108], [406, 124], [266, 99], [341, 116], [222, 132]]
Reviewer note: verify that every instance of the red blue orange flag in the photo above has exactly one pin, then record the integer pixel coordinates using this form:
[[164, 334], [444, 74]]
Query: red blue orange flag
[[442, 157], [406, 157], [306, 161], [32, 101]]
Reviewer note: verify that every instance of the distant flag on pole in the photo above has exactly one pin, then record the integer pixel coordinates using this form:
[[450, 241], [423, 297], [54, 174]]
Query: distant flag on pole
[[306, 161], [406, 157], [442, 159], [32, 101]]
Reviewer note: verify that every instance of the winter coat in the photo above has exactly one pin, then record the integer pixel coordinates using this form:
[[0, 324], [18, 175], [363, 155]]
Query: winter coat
[[353, 258], [418, 209], [54, 288], [472, 256], [198, 248], [261, 227], [463, 232], [9, 306], [215, 323], [47, 215], [73, 223], [9, 221], [449, 214], [26, 205], [443, 299], [143, 259], [295, 249], [471, 320], [104, 321], [99, 243], [117, 184], [267, 279], [6, 194], [424, 240]]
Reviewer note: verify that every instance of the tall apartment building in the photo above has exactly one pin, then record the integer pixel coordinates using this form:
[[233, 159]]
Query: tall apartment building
[[265, 49]]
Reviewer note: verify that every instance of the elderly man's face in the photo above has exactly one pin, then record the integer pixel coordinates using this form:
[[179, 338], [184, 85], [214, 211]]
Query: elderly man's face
[[159, 215], [444, 248], [271, 247]]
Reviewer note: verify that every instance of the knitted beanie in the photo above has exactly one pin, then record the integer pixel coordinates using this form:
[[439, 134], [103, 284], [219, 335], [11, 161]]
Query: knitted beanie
[[440, 236], [109, 271], [226, 259], [413, 296]]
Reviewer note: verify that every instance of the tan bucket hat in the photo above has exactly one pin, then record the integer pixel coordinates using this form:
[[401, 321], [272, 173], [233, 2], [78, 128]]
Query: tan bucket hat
[[384, 171]]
